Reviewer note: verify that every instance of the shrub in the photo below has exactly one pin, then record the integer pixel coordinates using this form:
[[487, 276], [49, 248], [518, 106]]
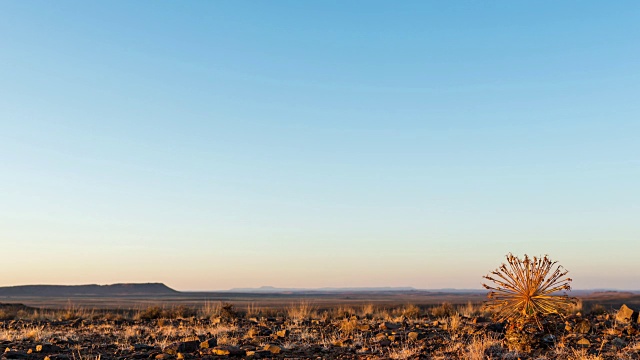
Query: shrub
[[444, 310], [152, 312]]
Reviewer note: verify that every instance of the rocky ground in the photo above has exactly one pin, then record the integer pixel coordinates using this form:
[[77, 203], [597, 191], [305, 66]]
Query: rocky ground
[[301, 332]]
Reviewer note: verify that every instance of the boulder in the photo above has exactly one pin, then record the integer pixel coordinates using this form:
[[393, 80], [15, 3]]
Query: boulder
[[625, 314]]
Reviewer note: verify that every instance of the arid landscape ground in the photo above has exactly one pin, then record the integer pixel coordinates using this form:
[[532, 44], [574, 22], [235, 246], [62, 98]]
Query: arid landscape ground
[[350, 325]]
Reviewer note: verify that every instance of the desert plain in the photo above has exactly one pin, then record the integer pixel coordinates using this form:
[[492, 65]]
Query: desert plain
[[135, 323]]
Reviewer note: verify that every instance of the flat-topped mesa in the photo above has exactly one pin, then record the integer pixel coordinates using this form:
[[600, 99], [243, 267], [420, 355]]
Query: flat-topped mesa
[[136, 289]]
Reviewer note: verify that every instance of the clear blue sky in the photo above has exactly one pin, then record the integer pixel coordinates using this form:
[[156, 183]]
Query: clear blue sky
[[219, 144]]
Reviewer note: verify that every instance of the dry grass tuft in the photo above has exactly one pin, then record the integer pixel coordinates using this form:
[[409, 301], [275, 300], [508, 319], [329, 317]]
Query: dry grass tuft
[[583, 355], [348, 326], [411, 311], [478, 346], [367, 310], [304, 310], [443, 310], [405, 352], [524, 288]]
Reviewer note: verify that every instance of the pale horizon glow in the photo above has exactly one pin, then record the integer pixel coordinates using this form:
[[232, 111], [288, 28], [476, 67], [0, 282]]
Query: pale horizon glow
[[218, 145]]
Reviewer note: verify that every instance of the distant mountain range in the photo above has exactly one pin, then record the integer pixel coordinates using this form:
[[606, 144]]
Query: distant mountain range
[[148, 289], [159, 289], [380, 289], [271, 289]]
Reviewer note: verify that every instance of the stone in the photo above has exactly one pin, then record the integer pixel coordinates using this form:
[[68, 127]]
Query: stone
[[163, 357], [625, 314], [209, 343], [584, 342], [186, 346], [274, 349], [259, 354], [479, 320], [413, 335], [582, 327], [384, 342], [549, 339], [47, 348], [12, 354], [141, 347], [619, 342], [228, 350], [390, 326]]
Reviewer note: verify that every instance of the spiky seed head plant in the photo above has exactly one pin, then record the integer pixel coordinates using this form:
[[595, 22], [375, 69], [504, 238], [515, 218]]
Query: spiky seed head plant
[[525, 289]]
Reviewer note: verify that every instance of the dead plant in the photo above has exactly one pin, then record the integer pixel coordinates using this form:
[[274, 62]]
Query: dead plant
[[526, 288]]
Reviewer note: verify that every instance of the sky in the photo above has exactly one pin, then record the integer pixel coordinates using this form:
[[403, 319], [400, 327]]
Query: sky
[[219, 144]]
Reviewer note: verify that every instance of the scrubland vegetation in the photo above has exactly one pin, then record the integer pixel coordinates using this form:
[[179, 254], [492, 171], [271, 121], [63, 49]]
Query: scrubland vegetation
[[306, 331]]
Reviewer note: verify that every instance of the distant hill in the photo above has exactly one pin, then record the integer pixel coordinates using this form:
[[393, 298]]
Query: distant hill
[[154, 289]]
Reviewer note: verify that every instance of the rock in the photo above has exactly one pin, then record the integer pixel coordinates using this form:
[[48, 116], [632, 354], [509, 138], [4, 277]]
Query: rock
[[182, 346], [625, 314], [259, 354], [141, 347], [479, 320], [228, 350], [209, 343], [12, 354], [413, 335], [383, 340], [584, 342], [47, 348], [188, 346], [390, 326], [549, 339], [163, 357], [582, 327], [619, 342], [274, 349]]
